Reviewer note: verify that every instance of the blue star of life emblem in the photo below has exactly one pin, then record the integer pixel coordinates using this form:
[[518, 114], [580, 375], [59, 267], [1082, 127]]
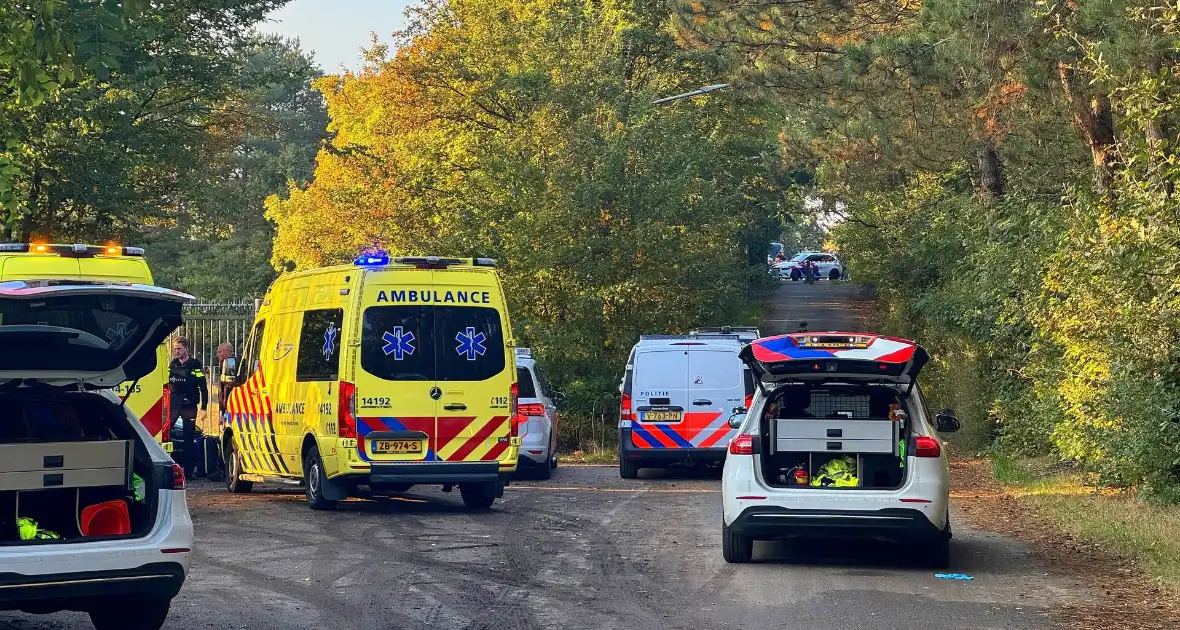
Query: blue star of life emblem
[[471, 343], [399, 343], [330, 340]]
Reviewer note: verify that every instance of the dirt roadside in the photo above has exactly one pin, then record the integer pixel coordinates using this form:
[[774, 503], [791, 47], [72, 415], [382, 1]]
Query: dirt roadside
[[1129, 598]]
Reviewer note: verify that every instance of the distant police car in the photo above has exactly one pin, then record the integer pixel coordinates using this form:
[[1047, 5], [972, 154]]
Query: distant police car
[[676, 394], [837, 444]]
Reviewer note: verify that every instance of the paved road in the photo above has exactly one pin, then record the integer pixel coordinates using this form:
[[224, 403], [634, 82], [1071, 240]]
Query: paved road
[[583, 550]]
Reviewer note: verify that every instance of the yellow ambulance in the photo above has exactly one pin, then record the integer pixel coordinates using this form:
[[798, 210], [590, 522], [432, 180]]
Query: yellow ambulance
[[29, 261], [386, 373]]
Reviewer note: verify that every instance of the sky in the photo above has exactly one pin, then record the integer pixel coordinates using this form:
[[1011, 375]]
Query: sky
[[336, 30]]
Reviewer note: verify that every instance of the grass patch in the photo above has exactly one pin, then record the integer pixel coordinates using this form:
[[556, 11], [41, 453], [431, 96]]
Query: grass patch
[[592, 453], [1114, 521]]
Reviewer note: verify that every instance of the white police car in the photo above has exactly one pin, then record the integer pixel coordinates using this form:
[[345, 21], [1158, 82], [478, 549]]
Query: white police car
[[827, 263], [93, 515], [837, 443]]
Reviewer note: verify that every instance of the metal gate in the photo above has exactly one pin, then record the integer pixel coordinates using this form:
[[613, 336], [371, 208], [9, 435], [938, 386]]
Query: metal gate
[[208, 325]]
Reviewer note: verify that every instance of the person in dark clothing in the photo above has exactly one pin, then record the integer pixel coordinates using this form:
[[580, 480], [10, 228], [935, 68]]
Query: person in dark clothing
[[186, 376]]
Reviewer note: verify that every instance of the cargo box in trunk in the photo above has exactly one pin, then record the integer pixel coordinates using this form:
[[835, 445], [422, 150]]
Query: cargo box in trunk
[[62, 452]]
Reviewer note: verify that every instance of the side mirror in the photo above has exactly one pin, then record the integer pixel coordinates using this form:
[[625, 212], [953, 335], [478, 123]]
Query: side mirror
[[946, 422], [738, 417]]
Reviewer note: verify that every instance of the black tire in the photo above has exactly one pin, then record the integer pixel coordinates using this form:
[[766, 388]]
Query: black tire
[[478, 496], [935, 553], [834, 275], [628, 468], [736, 548], [796, 275], [144, 613], [233, 471], [314, 480], [553, 459], [545, 471]]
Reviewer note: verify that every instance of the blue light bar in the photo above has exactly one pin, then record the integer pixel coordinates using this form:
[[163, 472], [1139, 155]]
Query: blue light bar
[[371, 260]]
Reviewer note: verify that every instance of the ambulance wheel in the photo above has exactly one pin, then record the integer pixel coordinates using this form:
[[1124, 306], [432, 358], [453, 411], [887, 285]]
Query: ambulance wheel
[[314, 481], [233, 473], [478, 496], [834, 275], [628, 468], [144, 613], [735, 547]]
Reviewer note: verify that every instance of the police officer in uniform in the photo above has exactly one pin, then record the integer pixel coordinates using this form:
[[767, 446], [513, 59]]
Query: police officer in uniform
[[189, 391]]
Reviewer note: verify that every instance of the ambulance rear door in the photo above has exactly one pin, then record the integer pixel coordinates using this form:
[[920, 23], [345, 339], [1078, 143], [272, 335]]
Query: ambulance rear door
[[396, 389]]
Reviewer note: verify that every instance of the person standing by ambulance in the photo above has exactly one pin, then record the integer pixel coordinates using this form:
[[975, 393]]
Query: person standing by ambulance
[[186, 376]]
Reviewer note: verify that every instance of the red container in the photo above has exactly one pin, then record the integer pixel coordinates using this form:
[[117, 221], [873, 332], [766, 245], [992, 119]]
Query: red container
[[106, 519]]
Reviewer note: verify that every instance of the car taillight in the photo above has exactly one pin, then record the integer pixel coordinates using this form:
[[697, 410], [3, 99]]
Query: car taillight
[[514, 409], [625, 408], [927, 447], [531, 409], [166, 414], [177, 477], [346, 411], [742, 445]]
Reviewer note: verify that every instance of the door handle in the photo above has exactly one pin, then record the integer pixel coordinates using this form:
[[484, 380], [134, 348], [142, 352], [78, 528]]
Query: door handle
[[702, 402], [454, 406]]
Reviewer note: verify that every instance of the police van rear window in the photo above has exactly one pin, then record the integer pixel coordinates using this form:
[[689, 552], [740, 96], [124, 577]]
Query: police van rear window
[[432, 343]]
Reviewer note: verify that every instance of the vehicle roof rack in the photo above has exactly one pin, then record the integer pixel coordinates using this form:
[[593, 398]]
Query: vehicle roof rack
[[688, 336]]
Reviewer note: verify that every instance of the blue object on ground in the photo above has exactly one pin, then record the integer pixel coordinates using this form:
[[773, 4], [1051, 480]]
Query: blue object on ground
[[953, 576]]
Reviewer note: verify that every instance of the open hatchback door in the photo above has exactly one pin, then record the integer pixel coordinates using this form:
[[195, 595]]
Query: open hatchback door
[[833, 356], [77, 332]]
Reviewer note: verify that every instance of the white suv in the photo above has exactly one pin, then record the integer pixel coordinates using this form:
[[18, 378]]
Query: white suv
[[837, 443], [93, 515], [538, 404], [827, 263]]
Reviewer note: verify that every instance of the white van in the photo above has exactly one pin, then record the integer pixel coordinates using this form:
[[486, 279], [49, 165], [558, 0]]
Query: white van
[[677, 394]]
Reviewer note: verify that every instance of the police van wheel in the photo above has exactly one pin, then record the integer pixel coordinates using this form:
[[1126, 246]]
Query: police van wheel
[[735, 547], [143, 614], [545, 471], [628, 468], [233, 481], [834, 275], [314, 481], [478, 496]]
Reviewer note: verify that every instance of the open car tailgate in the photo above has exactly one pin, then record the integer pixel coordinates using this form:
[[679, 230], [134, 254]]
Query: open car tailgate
[[835, 355]]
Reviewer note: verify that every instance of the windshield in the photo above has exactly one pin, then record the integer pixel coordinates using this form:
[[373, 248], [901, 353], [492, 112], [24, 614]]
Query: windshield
[[432, 343]]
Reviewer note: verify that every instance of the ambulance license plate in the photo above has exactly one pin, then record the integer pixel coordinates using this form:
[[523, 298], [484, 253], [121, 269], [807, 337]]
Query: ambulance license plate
[[661, 416], [397, 447]]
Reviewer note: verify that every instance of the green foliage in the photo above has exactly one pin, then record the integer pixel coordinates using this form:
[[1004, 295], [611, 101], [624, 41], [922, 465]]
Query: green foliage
[[1009, 170], [524, 131], [145, 122], [265, 139]]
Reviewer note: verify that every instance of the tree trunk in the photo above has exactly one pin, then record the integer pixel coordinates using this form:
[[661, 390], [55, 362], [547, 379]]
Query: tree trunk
[[1095, 119], [991, 176], [28, 222]]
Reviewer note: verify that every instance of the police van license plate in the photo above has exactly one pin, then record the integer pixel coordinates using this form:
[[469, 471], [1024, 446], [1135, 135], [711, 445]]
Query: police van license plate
[[661, 416], [397, 447]]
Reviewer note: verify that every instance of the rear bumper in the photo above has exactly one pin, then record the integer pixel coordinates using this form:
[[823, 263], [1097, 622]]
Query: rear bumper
[[79, 591], [437, 472], [528, 459], [769, 522], [628, 450]]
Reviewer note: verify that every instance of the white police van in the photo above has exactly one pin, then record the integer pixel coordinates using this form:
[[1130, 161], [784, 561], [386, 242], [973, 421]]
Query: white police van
[[676, 396]]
